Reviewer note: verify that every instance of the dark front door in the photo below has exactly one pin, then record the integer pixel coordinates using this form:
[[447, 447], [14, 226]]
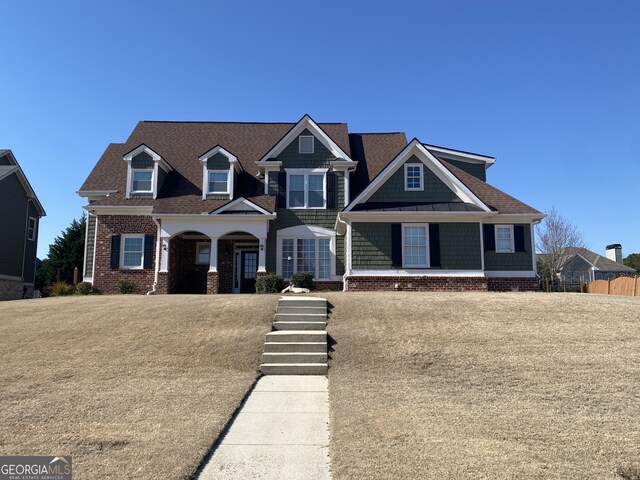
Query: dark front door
[[248, 269]]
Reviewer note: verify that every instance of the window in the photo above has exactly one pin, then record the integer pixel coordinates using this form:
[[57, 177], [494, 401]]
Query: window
[[311, 255], [132, 251], [141, 181], [504, 239], [413, 177], [31, 229], [306, 143], [415, 246], [218, 181], [306, 190], [202, 253]]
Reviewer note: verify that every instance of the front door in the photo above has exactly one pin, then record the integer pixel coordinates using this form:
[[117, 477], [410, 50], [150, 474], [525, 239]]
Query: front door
[[248, 269]]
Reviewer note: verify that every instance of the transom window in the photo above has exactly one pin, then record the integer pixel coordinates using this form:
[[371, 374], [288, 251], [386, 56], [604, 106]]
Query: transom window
[[306, 190], [132, 251], [415, 245], [31, 229], [218, 181], [306, 143], [413, 177], [504, 239], [312, 255], [202, 253], [141, 181]]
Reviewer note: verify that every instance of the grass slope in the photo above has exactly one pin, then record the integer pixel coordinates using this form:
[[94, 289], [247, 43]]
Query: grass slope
[[131, 386], [500, 386]]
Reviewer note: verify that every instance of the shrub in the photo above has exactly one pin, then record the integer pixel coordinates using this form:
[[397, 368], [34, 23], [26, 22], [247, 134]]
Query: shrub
[[302, 280], [84, 288], [270, 283], [126, 286], [60, 289]]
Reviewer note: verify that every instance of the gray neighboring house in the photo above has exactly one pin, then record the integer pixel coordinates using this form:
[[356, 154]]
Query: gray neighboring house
[[20, 213]]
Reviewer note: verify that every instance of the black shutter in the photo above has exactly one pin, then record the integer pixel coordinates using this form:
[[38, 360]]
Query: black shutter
[[115, 252], [434, 245], [282, 189], [518, 238], [396, 245], [489, 238], [331, 190], [148, 251]]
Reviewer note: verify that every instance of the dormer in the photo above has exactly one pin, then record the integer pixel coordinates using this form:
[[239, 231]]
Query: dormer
[[220, 169], [146, 171]]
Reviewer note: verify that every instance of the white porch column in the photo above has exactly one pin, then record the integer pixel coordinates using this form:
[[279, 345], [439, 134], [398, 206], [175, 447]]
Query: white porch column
[[262, 255], [164, 258], [213, 255]]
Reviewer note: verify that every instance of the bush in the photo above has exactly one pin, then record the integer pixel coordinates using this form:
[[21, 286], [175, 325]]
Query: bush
[[60, 289], [126, 286], [84, 288], [302, 280], [270, 283]]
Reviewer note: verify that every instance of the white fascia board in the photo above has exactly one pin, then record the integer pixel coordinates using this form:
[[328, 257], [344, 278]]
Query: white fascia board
[[233, 160], [154, 156], [577, 254], [9, 171], [95, 193], [220, 218], [305, 122], [511, 274], [417, 273], [118, 209], [462, 156], [340, 165], [238, 201], [515, 218], [24, 181], [437, 217], [432, 163]]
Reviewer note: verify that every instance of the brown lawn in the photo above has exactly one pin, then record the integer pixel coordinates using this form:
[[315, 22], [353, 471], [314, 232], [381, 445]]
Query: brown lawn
[[496, 386], [130, 386]]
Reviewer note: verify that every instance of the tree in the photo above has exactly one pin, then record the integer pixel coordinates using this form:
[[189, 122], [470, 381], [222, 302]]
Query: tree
[[633, 261], [65, 253], [556, 239]]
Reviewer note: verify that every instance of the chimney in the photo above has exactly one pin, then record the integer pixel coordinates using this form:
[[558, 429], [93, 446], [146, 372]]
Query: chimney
[[614, 252]]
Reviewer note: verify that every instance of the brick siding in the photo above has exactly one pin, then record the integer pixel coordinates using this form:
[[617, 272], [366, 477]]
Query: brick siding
[[441, 284], [11, 289], [513, 284]]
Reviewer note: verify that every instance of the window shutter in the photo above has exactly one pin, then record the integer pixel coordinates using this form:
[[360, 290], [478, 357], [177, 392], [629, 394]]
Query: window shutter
[[489, 238], [518, 238], [148, 251], [434, 245], [282, 189], [396, 245], [331, 190], [115, 252]]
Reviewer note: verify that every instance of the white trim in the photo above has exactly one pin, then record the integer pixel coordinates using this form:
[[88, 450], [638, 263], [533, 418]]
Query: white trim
[[511, 274], [306, 172], [158, 162], [512, 239], [426, 237], [234, 168], [237, 201], [122, 245], [142, 170], [416, 273], [199, 246], [95, 193], [266, 182], [432, 163], [347, 192], [420, 167], [31, 194], [300, 232], [400, 216], [313, 144], [118, 209], [228, 187], [463, 156], [86, 246], [33, 236], [481, 245]]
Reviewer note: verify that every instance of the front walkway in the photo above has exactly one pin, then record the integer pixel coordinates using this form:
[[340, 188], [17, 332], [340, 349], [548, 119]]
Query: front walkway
[[282, 431]]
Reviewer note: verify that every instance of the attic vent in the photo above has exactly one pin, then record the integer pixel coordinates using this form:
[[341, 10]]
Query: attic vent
[[305, 144]]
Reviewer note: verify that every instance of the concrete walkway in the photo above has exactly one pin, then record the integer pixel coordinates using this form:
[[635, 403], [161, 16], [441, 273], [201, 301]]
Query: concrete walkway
[[282, 431]]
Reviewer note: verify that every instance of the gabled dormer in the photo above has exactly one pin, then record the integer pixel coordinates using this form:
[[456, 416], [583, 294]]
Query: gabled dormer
[[220, 170], [146, 171]]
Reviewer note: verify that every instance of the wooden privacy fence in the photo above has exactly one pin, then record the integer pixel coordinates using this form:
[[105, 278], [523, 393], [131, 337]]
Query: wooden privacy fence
[[629, 286]]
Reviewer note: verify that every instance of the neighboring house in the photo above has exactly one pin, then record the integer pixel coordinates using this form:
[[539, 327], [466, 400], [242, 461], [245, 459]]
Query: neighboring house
[[582, 265], [20, 212], [203, 207]]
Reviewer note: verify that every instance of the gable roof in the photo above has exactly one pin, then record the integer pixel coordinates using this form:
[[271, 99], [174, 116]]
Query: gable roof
[[600, 262], [14, 167]]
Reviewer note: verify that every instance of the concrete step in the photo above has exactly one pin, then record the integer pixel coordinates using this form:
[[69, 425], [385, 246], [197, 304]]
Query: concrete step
[[294, 357], [300, 325], [294, 368], [300, 317], [297, 336], [271, 347], [302, 302], [303, 310]]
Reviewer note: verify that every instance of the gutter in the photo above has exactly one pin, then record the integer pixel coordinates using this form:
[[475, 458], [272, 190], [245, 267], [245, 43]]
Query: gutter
[[154, 290]]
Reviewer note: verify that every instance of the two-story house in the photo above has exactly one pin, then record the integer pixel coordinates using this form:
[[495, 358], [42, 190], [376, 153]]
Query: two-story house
[[20, 212], [205, 207]]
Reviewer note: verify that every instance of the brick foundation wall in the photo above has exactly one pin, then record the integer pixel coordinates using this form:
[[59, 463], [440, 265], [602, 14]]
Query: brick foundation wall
[[105, 279], [213, 284], [11, 289], [417, 284], [329, 286], [225, 266], [513, 284]]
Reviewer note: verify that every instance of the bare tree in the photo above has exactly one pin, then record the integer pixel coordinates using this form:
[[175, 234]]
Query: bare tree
[[557, 239]]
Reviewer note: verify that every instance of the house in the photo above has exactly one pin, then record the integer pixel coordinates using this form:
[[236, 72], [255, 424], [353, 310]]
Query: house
[[582, 265], [206, 207], [20, 213]]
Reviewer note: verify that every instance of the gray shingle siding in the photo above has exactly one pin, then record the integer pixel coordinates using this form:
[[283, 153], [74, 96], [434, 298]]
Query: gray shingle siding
[[12, 225], [218, 162], [475, 169], [91, 235], [434, 189], [460, 246], [142, 160], [518, 261], [371, 246], [31, 249]]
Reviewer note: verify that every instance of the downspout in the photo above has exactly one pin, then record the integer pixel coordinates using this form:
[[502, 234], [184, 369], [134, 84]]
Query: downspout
[[153, 291], [347, 248]]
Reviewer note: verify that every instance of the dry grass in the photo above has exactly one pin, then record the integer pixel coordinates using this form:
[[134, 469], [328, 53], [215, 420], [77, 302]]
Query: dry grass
[[500, 386], [131, 386]]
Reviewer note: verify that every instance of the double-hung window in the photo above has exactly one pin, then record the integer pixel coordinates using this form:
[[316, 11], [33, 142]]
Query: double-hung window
[[306, 189], [504, 239], [415, 245], [132, 255], [312, 255], [218, 181], [202, 253], [31, 229], [141, 181], [413, 177]]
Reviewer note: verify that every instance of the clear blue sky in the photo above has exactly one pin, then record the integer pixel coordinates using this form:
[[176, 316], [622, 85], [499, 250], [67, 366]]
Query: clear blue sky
[[550, 88]]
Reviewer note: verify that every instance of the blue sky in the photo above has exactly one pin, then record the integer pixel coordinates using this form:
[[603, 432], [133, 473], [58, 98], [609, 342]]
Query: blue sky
[[550, 88]]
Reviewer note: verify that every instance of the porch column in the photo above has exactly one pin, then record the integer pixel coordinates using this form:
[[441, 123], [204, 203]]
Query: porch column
[[213, 255], [164, 258], [262, 255]]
